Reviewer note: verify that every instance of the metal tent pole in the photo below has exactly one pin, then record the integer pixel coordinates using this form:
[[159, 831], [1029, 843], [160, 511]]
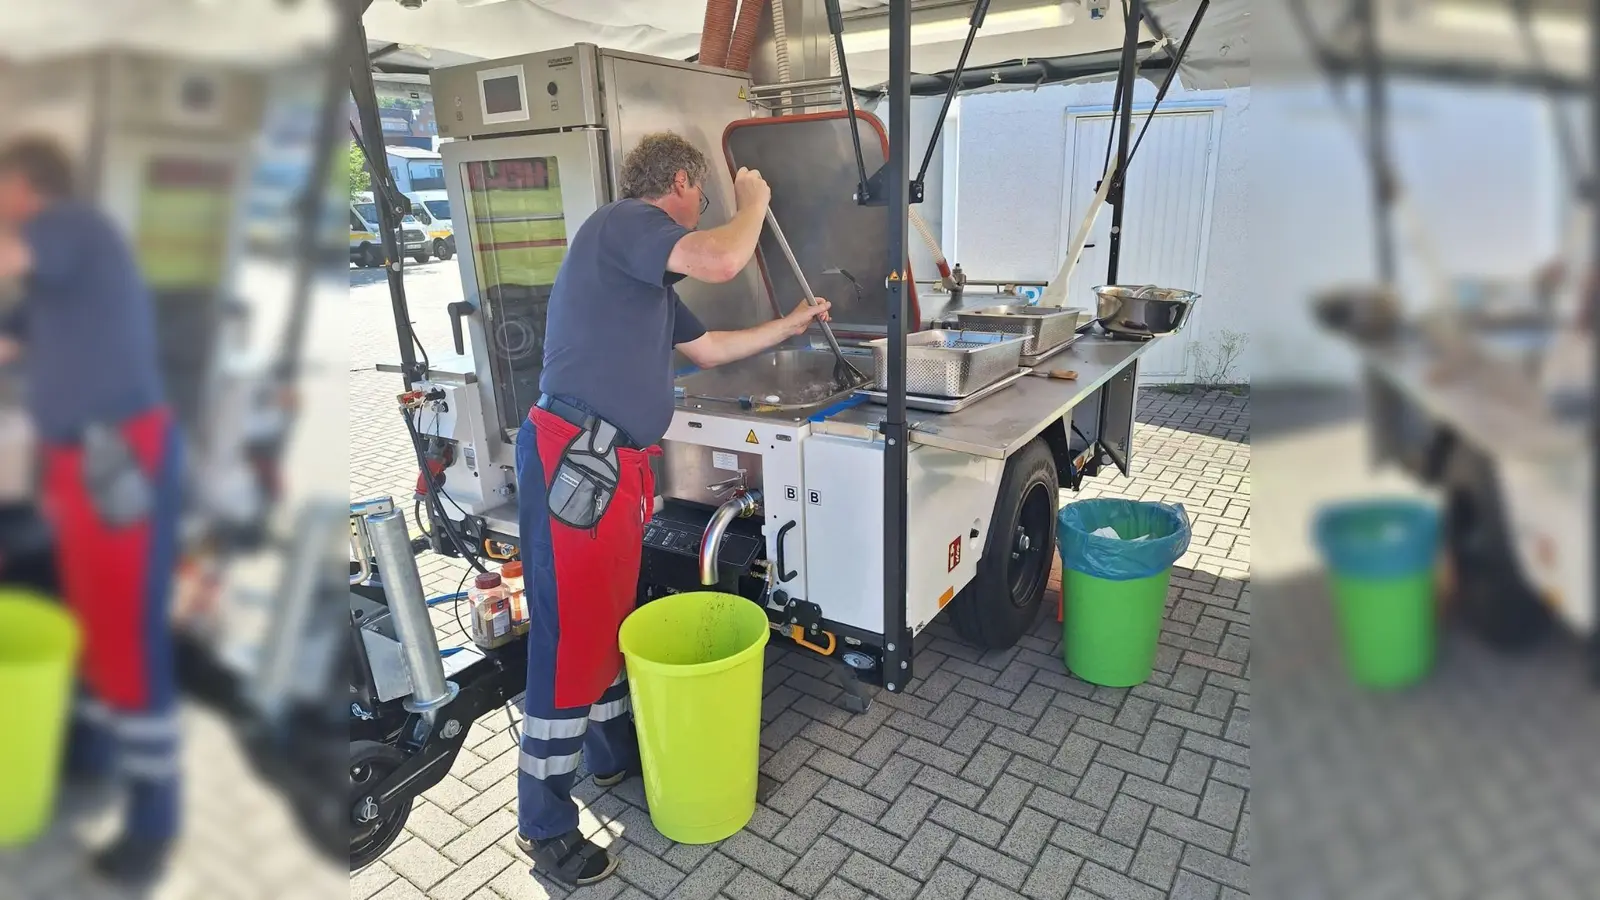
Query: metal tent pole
[[1383, 187], [384, 190], [1591, 304], [311, 209], [1132, 14], [896, 635]]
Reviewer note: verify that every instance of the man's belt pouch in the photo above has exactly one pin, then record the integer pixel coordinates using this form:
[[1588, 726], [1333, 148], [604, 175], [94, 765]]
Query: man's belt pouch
[[586, 477], [117, 487]]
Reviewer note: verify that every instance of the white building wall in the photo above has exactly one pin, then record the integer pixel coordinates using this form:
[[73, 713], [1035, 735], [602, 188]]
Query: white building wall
[[1479, 170], [1291, 211], [1010, 220]]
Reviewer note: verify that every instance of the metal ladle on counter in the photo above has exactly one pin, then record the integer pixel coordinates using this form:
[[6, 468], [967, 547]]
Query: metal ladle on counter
[[845, 373]]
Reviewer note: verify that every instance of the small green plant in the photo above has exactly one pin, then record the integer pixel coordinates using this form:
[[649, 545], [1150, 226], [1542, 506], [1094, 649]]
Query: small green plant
[[356, 166], [1213, 364]]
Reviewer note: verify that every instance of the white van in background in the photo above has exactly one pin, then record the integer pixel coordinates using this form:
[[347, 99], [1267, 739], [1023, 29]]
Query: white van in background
[[366, 248], [432, 209]]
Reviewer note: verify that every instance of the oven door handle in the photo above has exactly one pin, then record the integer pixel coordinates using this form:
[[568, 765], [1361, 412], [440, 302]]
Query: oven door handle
[[784, 575], [457, 310]]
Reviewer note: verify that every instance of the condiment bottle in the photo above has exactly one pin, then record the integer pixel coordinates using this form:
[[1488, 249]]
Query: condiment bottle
[[491, 611], [511, 577]]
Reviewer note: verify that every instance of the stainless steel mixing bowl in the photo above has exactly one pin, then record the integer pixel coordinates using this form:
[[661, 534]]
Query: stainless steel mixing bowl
[[1143, 310]]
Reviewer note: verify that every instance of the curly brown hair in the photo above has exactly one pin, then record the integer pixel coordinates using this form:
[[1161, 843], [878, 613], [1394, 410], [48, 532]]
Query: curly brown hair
[[650, 168], [42, 161]]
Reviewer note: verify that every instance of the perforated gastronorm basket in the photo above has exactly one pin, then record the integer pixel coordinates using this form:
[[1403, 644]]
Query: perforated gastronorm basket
[[1044, 326], [951, 364]]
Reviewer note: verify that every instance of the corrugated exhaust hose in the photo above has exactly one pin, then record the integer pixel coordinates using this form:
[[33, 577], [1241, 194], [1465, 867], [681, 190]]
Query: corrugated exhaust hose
[[744, 34], [716, 32]]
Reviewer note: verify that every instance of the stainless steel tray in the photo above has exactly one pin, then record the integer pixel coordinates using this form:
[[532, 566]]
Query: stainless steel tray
[[1043, 326], [951, 364], [1037, 358], [947, 404]]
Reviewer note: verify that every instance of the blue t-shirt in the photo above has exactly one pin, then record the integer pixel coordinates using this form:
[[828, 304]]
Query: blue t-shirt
[[614, 319], [89, 323]]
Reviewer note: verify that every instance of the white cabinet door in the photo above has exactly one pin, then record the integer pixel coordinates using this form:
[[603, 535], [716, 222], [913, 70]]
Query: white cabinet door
[[1166, 224]]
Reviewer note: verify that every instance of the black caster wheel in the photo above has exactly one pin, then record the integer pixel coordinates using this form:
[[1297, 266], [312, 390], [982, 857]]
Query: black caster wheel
[[375, 830]]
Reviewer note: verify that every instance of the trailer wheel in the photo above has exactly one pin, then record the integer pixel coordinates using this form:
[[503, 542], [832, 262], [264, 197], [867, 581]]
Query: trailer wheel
[[1495, 601], [1002, 601], [370, 763]]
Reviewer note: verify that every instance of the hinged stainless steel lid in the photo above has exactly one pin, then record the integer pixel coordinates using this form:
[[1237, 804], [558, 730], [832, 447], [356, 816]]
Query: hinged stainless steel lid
[[810, 163]]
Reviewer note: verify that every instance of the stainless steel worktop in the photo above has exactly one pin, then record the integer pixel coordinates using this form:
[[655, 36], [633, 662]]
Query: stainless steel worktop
[[1494, 412], [1000, 425]]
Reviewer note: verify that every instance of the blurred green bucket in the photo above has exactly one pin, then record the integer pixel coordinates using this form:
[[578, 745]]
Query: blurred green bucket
[[1381, 555], [39, 644]]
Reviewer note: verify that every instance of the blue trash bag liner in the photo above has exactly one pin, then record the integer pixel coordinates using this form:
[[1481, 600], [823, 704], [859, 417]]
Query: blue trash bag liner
[[1165, 526], [1377, 538]]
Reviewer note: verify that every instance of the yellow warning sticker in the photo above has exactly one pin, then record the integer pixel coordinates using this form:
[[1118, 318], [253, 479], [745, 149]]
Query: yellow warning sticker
[[743, 95], [751, 437], [894, 276]]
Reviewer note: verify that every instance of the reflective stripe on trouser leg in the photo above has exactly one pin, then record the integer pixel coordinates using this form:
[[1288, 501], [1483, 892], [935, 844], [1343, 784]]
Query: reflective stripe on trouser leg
[[551, 747], [147, 757], [551, 742], [148, 738], [611, 745]]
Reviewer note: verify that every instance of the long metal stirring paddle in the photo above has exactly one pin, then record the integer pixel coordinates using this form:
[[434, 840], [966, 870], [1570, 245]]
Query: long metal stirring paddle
[[811, 299]]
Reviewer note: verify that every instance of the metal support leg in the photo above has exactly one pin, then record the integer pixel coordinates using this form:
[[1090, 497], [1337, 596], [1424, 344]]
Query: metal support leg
[[855, 699]]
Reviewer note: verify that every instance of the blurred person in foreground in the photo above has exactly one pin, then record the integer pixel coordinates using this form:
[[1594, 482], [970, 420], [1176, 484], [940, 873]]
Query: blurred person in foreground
[[111, 460]]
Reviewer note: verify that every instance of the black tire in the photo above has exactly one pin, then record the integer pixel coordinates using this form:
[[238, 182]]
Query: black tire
[[370, 763], [371, 256], [421, 256], [1495, 602], [441, 249], [1002, 601]]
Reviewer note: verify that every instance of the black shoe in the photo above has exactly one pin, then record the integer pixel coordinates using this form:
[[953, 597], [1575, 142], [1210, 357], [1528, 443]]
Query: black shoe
[[132, 861], [570, 858], [614, 779]]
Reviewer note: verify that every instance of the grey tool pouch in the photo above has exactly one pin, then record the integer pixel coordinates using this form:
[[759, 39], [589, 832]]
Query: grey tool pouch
[[585, 480], [117, 487]]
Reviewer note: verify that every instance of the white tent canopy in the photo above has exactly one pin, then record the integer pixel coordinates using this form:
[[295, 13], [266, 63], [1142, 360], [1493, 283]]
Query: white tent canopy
[[1014, 30], [261, 32]]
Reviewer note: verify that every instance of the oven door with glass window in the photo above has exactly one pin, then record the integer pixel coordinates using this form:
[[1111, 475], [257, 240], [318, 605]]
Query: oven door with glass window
[[518, 201]]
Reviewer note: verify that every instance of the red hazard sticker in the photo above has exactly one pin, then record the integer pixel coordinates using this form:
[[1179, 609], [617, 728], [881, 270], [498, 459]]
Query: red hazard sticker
[[953, 557]]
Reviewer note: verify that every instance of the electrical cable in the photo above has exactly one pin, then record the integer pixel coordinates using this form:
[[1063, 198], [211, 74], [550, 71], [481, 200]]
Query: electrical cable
[[460, 595], [433, 493]]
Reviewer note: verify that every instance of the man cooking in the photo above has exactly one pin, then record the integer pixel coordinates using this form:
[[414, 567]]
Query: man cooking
[[110, 482], [583, 472]]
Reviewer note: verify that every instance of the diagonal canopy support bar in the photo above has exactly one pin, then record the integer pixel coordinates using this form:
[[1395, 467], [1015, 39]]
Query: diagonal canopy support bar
[[979, 10], [836, 28]]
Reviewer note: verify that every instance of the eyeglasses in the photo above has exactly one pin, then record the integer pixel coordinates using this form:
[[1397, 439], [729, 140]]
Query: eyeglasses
[[705, 201]]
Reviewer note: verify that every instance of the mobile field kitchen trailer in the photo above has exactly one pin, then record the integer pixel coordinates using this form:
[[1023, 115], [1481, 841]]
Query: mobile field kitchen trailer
[[852, 513], [1484, 390]]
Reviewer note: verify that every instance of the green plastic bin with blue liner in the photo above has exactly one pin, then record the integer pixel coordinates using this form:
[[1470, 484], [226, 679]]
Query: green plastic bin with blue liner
[[39, 643], [695, 664], [1381, 556], [1114, 589]]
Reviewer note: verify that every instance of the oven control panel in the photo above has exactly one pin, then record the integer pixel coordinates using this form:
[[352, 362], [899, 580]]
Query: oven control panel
[[677, 529], [738, 550]]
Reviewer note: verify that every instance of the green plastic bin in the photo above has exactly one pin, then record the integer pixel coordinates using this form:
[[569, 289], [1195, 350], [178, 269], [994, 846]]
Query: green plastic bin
[[695, 664], [1114, 589], [39, 644], [1110, 630], [1380, 555]]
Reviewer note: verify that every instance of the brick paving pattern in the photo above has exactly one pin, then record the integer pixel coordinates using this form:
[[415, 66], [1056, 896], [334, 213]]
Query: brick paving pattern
[[1480, 782], [994, 776]]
